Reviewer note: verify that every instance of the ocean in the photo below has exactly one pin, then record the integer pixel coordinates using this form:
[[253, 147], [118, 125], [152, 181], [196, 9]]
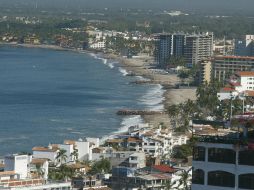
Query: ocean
[[47, 96]]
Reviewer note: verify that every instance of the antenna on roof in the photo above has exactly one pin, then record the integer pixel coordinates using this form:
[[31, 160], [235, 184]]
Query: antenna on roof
[[224, 45]]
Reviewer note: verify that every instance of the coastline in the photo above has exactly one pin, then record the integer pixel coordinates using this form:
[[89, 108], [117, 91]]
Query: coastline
[[139, 66], [143, 66]]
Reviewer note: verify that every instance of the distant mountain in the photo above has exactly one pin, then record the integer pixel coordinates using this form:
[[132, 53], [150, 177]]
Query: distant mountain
[[203, 6]]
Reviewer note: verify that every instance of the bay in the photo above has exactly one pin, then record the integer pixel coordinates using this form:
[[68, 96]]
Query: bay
[[47, 96]]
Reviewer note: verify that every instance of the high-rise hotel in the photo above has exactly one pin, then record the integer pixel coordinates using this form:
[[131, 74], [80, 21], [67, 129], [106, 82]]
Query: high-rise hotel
[[167, 45], [194, 48]]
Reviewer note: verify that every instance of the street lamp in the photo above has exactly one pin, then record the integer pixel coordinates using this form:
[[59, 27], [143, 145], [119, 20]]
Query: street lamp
[[242, 97], [233, 95]]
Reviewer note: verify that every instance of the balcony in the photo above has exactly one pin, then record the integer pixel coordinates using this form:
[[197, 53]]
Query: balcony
[[222, 140]]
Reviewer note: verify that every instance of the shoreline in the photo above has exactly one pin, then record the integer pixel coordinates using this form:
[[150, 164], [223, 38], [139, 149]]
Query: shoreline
[[142, 66]]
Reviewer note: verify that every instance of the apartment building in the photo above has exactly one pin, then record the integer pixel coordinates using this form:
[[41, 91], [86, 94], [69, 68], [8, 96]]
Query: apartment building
[[163, 48], [194, 48], [224, 66], [225, 162], [205, 72], [198, 47]]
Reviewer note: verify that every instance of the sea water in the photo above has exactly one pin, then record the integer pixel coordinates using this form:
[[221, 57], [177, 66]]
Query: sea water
[[47, 96]]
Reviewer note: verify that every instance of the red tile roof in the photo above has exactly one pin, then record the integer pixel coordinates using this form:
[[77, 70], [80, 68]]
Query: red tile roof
[[133, 139], [38, 161], [164, 168], [235, 83], [249, 93], [45, 149], [5, 173], [245, 73], [227, 89]]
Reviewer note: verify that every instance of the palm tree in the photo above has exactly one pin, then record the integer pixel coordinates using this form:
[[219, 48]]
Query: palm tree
[[61, 156], [74, 154], [176, 61], [67, 171], [184, 180], [169, 184], [40, 171], [173, 112]]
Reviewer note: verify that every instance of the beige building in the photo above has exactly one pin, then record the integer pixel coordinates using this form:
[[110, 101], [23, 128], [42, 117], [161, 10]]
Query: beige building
[[205, 74]]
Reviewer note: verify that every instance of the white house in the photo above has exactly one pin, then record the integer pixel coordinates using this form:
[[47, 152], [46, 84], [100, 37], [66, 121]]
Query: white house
[[137, 160], [69, 148], [39, 165], [244, 81], [49, 152], [240, 83], [98, 45], [84, 147], [161, 142], [17, 164]]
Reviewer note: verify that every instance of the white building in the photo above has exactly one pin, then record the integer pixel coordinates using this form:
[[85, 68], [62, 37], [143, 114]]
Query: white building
[[137, 160], [225, 93], [98, 45], [84, 147], [49, 152], [249, 39], [18, 164], [39, 167], [241, 83], [69, 148], [223, 163], [179, 140], [160, 142], [36, 186]]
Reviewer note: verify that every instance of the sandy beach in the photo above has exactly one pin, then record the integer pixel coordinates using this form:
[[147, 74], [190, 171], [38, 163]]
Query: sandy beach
[[143, 66]]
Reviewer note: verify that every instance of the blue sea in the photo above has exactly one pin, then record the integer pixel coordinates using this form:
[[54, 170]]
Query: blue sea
[[47, 96]]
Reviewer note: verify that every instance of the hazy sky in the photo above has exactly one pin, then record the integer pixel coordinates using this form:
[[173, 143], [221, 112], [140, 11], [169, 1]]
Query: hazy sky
[[235, 6]]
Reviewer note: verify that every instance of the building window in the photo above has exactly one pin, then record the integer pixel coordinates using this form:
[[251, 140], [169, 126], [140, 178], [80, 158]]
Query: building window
[[199, 153], [246, 181], [198, 177], [221, 155], [246, 157], [221, 179]]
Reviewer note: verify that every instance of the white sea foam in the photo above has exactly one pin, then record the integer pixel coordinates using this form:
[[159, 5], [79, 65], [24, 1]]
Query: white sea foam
[[142, 78], [76, 132], [123, 71], [127, 122], [112, 64], [153, 99], [104, 61]]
